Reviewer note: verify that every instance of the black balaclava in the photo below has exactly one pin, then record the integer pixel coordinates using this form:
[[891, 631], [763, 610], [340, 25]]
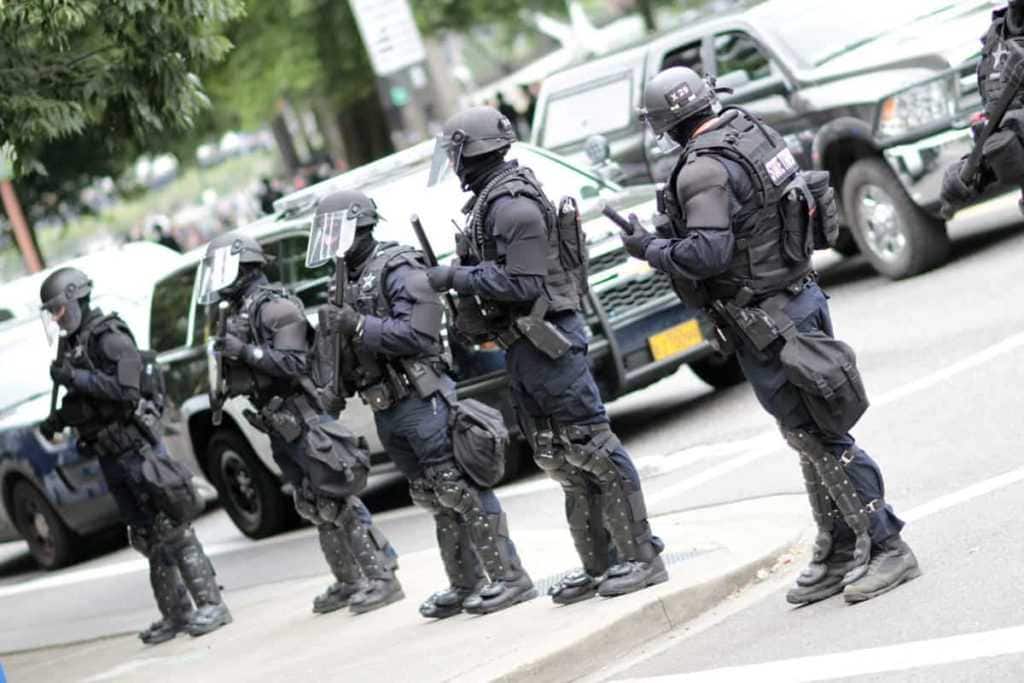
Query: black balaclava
[[474, 172], [249, 274], [684, 130], [76, 312], [361, 249], [1015, 18]]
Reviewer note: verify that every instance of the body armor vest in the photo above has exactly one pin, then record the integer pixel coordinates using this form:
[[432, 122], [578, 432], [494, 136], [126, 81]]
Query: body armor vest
[[560, 285], [243, 379], [996, 60], [368, 295], [758, 262], [86, 413]]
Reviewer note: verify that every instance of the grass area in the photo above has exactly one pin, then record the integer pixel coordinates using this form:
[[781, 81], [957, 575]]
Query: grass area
[[59, 243]]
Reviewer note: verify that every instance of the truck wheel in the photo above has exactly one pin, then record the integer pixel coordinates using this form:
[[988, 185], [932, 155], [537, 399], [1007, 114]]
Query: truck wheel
[[249, 492], [898, 237], [719, 371], [50, 541]]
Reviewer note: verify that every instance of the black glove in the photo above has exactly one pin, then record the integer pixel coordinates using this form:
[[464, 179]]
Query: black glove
[[62, 373], [231, 346], [440, 278], [341, 320], [956, 194], [50, 426], [636, 243], [331, 402]]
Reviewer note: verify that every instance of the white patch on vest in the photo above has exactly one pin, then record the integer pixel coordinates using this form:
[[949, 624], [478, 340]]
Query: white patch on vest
[[780, 166], [368, 281]]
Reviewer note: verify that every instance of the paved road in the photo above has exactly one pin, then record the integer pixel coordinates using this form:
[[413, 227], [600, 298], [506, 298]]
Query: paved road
[[939, 357]]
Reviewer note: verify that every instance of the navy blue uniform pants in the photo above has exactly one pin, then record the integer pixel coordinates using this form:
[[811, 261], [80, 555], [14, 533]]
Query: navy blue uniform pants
[[809, 312], [416, 435], [562, 390], [123, 474]]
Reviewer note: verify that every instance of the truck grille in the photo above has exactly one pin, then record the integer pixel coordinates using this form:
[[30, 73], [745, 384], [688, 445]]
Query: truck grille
[[622, 299], [608, 260], [970, 98]]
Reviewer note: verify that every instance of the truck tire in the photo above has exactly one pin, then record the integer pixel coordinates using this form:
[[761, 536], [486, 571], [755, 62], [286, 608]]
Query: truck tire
[[719, 371], [51, 542], [248, 491], [896, 235]]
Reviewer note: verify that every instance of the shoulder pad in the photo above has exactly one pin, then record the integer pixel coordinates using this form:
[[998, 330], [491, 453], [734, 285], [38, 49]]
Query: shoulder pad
[[280, 311], [700, 175]]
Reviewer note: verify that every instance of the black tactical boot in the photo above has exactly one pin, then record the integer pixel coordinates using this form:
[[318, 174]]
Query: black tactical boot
[[583, 505], [334, 543], [892, 563], [197, 571], [460, 564], [369, 549], [824, 579], [510, 584], [631, 576], [171, 598], [575, 587]]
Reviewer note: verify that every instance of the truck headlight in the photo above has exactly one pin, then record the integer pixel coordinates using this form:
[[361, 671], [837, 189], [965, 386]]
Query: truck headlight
[[920, 107]]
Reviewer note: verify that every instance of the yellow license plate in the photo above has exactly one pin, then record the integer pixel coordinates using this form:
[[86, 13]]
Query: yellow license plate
[[675, 340]]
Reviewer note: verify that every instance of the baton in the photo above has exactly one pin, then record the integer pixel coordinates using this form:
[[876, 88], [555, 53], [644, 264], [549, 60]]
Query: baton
[[616, 218], [428, 254]]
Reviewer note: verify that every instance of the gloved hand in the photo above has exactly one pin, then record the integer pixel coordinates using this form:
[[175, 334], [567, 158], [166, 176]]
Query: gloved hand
[[50, 426], [955, 192], [440, 278], [341, 320], [636, 243], [231, 346], [62, 373], [331, 402]]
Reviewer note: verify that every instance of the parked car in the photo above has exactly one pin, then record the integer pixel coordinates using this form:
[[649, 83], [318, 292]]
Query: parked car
[[641, 332], [880, 94], [50, 494]]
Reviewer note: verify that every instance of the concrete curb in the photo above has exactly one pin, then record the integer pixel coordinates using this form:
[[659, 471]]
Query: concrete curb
[[654, 618]]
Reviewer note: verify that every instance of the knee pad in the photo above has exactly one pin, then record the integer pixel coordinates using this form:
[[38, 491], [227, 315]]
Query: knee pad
[[423, 495], [591, 447], [306, 507], [167, 532], [330, 509], [452, 489], [547, 452], [139, 539]]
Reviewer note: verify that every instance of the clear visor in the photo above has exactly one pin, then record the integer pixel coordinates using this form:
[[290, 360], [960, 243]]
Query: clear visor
[[50, 325], [218, 270], [445, 158], [331, 236]]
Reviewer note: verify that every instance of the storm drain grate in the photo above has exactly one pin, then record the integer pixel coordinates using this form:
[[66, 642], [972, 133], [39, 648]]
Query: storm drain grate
[[670, 559]]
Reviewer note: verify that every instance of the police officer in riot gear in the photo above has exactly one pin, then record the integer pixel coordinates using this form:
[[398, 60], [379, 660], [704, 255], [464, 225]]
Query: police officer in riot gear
[[390, 324], [1002, 159], [721, 236], [265, 345], [521, 267], [114, 409]]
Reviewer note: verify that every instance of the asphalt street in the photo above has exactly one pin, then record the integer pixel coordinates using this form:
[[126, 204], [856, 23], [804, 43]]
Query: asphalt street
[[939, 354]]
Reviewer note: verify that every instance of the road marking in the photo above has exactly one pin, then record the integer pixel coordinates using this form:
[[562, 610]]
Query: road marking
[[963, 495], [903, 657], [770, 441]]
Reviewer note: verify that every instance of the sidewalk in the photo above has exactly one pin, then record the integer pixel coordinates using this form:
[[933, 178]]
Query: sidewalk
[[711, 552]]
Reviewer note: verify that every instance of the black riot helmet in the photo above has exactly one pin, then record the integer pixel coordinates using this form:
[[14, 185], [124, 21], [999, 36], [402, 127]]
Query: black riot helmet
[[221, 271], [677, 96], [342, 227], [64, 296], [471, 133], [356, 204]]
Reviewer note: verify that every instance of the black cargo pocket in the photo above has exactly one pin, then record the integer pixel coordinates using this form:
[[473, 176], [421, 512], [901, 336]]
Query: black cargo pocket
[[479, 441], [825, 371]]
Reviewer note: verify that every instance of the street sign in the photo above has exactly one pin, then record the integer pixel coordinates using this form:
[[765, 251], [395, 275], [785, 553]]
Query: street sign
[[390, 34]]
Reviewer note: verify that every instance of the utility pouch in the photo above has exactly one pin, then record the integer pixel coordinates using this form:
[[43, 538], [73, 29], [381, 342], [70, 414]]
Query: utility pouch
[[379, 397], [169, 484], [752, 324], [795, 211], [825, 218], [338, 448], [281, 421], [572, 244], [1004, 154], [479, 440], [544, 336], [425, 380]]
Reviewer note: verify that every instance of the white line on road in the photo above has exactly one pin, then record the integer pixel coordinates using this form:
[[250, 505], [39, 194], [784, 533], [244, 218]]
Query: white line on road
[[903, 657], [963, 495]]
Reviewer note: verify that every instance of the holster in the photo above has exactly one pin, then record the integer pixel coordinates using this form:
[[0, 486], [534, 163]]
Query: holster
[[544, 336], [424, 378]]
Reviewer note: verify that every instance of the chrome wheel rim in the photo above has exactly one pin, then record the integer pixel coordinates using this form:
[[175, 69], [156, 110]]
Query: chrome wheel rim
[[880, 224]]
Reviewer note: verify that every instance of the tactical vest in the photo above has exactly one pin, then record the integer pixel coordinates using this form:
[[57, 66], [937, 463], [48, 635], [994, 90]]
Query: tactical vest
[[561, 285], [241, 377], [758, 262], [368, 295], [86, 413], [996, 59]]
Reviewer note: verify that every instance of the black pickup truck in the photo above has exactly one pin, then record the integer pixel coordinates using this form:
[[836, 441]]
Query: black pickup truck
[[879, 93]]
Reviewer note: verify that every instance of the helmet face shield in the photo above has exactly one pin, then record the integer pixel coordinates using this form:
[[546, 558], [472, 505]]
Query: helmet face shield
[[331, 236], [50, 325], [218, 270], [447, 156]]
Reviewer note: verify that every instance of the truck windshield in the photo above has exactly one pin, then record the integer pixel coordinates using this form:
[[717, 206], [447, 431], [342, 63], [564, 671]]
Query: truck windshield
[[816, 36]]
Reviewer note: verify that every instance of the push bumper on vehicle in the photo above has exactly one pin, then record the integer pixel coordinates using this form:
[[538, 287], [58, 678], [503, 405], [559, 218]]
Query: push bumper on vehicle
[[921, 164]]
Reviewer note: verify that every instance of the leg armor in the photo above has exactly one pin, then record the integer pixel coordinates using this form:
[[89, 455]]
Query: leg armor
[[171, 595], [349, 578], [181, 544], [370, 550], [821, 507], [840, 489], [461, 565], [510, 584]]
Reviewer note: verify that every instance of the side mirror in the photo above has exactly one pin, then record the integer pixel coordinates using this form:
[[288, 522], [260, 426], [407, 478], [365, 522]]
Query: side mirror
[[597, 149]]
